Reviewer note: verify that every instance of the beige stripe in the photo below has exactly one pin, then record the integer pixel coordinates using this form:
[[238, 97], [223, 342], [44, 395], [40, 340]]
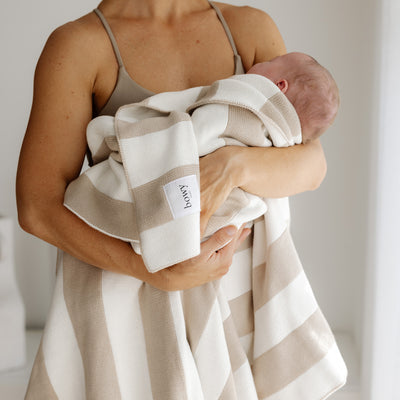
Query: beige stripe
[[242, 313], [115, 217], [197, 304], [259, 219], [203, 92], [151, 204], [112, 143], [248, 242], [276, 368], [102, 152], [271, 110], [281, 268], [242, 122], [237, 354], [205, 96], [229, 392], [163, 355], [39, 386], [288, 111], [145, 126], [83, 298]]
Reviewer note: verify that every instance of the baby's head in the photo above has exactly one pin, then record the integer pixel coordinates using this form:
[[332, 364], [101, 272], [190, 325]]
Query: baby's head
[[308, 86]]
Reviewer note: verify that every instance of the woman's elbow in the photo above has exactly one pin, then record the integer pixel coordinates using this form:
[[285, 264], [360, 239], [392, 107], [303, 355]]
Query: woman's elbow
[[28, 219], [32, 217]]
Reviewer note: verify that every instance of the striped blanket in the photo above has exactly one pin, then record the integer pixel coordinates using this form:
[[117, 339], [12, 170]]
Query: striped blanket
[[152, 197], [256, 334]]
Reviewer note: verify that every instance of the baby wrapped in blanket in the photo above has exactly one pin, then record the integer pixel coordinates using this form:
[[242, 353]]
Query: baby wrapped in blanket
[[146, 158]]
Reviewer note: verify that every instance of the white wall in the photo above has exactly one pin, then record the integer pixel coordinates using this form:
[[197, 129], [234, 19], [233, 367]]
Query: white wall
[[382, 301], [329, 224]]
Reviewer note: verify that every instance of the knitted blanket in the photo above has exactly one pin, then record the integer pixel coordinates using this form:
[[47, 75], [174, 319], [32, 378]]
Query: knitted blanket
[[257, 333], [152, 197]]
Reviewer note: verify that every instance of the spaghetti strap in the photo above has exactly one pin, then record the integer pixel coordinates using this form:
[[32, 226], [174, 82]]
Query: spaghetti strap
[[111, 36], [226, 27], [238, 61]]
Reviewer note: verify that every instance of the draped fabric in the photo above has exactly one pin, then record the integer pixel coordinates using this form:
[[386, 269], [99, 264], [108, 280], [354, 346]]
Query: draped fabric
[[256, 334], [144, 185]]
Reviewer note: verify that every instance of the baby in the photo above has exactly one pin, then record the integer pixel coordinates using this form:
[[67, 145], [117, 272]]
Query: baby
[[308, 86]]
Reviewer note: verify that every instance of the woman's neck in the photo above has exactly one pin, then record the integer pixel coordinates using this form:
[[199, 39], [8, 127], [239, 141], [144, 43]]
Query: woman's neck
[[165, 10]]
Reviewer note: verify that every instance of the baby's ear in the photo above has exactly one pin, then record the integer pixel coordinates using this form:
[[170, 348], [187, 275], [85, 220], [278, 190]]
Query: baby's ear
[[283, 85]]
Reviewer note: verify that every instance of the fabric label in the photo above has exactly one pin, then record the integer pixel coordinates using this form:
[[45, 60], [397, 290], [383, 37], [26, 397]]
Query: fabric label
[[183, 196]]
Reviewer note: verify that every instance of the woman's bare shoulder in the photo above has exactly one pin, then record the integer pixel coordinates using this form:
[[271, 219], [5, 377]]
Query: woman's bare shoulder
[[74, 43], [255, 33]]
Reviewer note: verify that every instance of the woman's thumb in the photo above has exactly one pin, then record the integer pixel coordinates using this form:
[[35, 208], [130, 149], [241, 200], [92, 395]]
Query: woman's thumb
[[220, 239]]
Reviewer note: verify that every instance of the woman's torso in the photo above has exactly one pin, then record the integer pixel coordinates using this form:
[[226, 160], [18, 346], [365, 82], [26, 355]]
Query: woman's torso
[[127, 90], [174, 56]]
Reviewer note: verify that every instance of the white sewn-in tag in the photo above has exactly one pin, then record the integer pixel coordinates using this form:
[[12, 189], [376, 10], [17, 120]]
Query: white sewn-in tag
[[183, 196]]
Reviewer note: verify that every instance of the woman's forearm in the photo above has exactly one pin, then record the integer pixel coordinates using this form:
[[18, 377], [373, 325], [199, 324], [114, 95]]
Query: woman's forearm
[[278, 172], [61, 228]]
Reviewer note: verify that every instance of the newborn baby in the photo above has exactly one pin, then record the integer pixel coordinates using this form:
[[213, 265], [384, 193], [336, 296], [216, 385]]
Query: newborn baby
[[308, 86]]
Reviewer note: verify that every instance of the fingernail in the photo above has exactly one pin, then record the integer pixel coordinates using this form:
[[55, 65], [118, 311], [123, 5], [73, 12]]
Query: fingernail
[[230, 230]]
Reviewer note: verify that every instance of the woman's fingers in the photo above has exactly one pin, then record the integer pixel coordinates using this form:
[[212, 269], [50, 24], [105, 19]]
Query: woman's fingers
[[246, 232], [219, 239], [212, 263]]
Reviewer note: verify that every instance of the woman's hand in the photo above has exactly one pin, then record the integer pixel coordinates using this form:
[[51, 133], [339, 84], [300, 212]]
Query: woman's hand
[[212, 263], [217, 180]]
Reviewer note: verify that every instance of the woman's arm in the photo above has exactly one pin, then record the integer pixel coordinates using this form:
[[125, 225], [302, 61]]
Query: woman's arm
[[267, 172], [52, 154]]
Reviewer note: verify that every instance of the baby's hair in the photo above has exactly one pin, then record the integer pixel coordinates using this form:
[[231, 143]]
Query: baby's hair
[[317, 100]]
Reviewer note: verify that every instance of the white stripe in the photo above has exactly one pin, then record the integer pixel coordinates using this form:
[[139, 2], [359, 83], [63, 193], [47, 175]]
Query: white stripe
[[278, 218], [224, 308], [209, 128], [194, 390], [238, 280], [319, 382], [285, 312], [167, 146], [264, 85], [254, 209], [108, 177], [61, 353], [247, 342], [244, 383], [125, 329], [212, 356], [168, 244], [244, 93]]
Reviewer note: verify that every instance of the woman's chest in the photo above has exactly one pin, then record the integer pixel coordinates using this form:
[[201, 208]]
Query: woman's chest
[[169, 58]]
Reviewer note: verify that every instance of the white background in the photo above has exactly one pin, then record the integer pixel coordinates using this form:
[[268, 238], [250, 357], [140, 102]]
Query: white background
[[342, 229]]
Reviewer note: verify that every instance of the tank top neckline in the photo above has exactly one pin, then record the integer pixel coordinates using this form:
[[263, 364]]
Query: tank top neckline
[[124, 76]]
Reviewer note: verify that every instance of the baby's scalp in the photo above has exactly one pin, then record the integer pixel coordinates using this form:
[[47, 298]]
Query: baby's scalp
[[317, 98]]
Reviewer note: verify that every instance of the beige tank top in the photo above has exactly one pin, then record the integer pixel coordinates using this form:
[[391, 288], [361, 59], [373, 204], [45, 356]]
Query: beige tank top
[[127, 91]]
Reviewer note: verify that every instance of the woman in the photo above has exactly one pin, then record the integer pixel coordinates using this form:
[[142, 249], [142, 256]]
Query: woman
[[83, 71]]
